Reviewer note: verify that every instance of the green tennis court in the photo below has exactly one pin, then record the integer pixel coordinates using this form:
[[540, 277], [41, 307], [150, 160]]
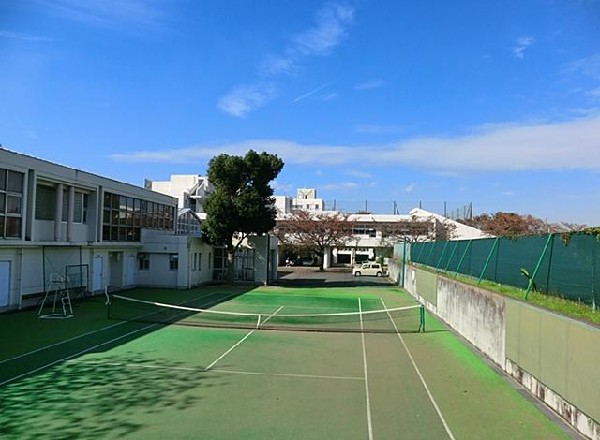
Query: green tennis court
[[275, 363]]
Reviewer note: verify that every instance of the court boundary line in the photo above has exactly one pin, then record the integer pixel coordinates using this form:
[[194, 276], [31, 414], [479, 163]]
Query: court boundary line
[[240, 341], [219, 370], [366, 376], [423, 382], [74, 338]]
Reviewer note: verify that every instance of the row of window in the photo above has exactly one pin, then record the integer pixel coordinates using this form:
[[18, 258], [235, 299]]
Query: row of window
[[45, 204], [124, 217]]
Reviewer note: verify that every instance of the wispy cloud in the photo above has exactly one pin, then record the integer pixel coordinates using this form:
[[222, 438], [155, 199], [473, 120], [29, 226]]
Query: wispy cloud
[[493, 147], [243, 99], [589, 67], [521, 45], [377, 129], [409, 188], [369, 85], [340, 186], [22, 37], [329, 30], [359, 174], [108, 12], [312, 92]]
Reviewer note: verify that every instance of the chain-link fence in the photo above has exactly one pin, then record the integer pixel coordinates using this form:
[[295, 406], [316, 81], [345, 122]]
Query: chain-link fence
[[561, 265], [453, 210]]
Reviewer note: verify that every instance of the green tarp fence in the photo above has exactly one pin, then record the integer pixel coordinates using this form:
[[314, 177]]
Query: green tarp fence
[[566, 267]]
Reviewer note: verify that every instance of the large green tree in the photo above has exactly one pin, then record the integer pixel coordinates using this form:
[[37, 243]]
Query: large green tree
[[242, 201]]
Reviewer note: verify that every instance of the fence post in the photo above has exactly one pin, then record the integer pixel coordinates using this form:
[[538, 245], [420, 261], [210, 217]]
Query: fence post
[[463, 257], [433, 243], [441, 255], [487, 261], [451, 256], [537, 266], [403, 264]]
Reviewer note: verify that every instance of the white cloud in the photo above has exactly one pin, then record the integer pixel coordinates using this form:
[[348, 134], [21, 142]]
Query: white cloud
[[521, 45], [340, 186], [359, 174], [369, 85], [589, 67], [329, 31], [377, 129], [241, 100], [312, 92], [108, 12], [409, 188], [572, 144], [23, 37]]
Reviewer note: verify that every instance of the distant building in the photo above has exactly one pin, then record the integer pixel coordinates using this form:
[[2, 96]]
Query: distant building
[[374, 235]]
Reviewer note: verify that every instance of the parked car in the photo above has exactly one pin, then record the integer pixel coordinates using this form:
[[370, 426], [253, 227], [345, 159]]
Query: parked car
[[372, 269]]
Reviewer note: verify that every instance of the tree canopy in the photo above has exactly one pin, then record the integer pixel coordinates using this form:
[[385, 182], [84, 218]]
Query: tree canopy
[[510, 224], [242, 200]]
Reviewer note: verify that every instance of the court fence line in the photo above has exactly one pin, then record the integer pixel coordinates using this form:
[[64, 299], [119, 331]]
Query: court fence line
[[566, 266]]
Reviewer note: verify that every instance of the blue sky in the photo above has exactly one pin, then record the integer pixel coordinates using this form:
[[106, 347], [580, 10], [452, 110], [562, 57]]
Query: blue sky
[[495, 103]]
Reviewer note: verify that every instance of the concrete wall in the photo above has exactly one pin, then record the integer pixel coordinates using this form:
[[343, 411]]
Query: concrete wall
[[556, 358]]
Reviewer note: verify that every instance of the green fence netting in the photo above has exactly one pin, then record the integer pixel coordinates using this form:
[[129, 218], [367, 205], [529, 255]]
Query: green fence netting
[[558, 265]]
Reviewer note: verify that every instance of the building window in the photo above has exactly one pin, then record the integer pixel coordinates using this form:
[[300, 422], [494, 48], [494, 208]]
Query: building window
[[195, 267], [124, 217], [199, 260], [143, 261], [79, 209], [11, 203], [173, 262]]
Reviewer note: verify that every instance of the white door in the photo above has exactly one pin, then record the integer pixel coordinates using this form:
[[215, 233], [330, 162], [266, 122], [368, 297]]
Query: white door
[[4, 282], [97, 278], [130, 268]]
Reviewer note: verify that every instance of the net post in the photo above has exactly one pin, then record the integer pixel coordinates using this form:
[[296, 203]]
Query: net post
[[108, 302], [422, 318]]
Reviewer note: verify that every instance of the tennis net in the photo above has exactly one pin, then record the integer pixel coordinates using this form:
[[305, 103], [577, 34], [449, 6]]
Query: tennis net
[[409, 319]]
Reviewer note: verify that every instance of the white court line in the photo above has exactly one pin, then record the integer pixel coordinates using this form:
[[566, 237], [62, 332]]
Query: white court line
[[240, 341], [216, 370], [66, 341], [364, 353], [76, 354], [414, 364]]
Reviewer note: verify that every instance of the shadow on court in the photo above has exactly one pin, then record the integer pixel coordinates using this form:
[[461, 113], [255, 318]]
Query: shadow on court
[[98, 399]]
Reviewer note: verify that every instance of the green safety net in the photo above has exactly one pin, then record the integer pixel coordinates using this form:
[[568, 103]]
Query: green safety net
[[565, 267]]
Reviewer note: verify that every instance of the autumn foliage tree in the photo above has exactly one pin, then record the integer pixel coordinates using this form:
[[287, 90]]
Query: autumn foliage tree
[[508, 224], [315, 232]]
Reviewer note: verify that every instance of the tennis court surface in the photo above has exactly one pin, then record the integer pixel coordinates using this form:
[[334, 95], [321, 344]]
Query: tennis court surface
[[253, 363]]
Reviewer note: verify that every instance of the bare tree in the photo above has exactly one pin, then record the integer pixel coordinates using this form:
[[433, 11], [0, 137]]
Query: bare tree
[[316, 232]]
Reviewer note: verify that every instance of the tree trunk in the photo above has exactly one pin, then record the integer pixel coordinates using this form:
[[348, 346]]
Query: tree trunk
[[321, 260]]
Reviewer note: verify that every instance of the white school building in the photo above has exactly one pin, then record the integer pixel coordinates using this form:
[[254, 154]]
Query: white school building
[[90, 232]]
